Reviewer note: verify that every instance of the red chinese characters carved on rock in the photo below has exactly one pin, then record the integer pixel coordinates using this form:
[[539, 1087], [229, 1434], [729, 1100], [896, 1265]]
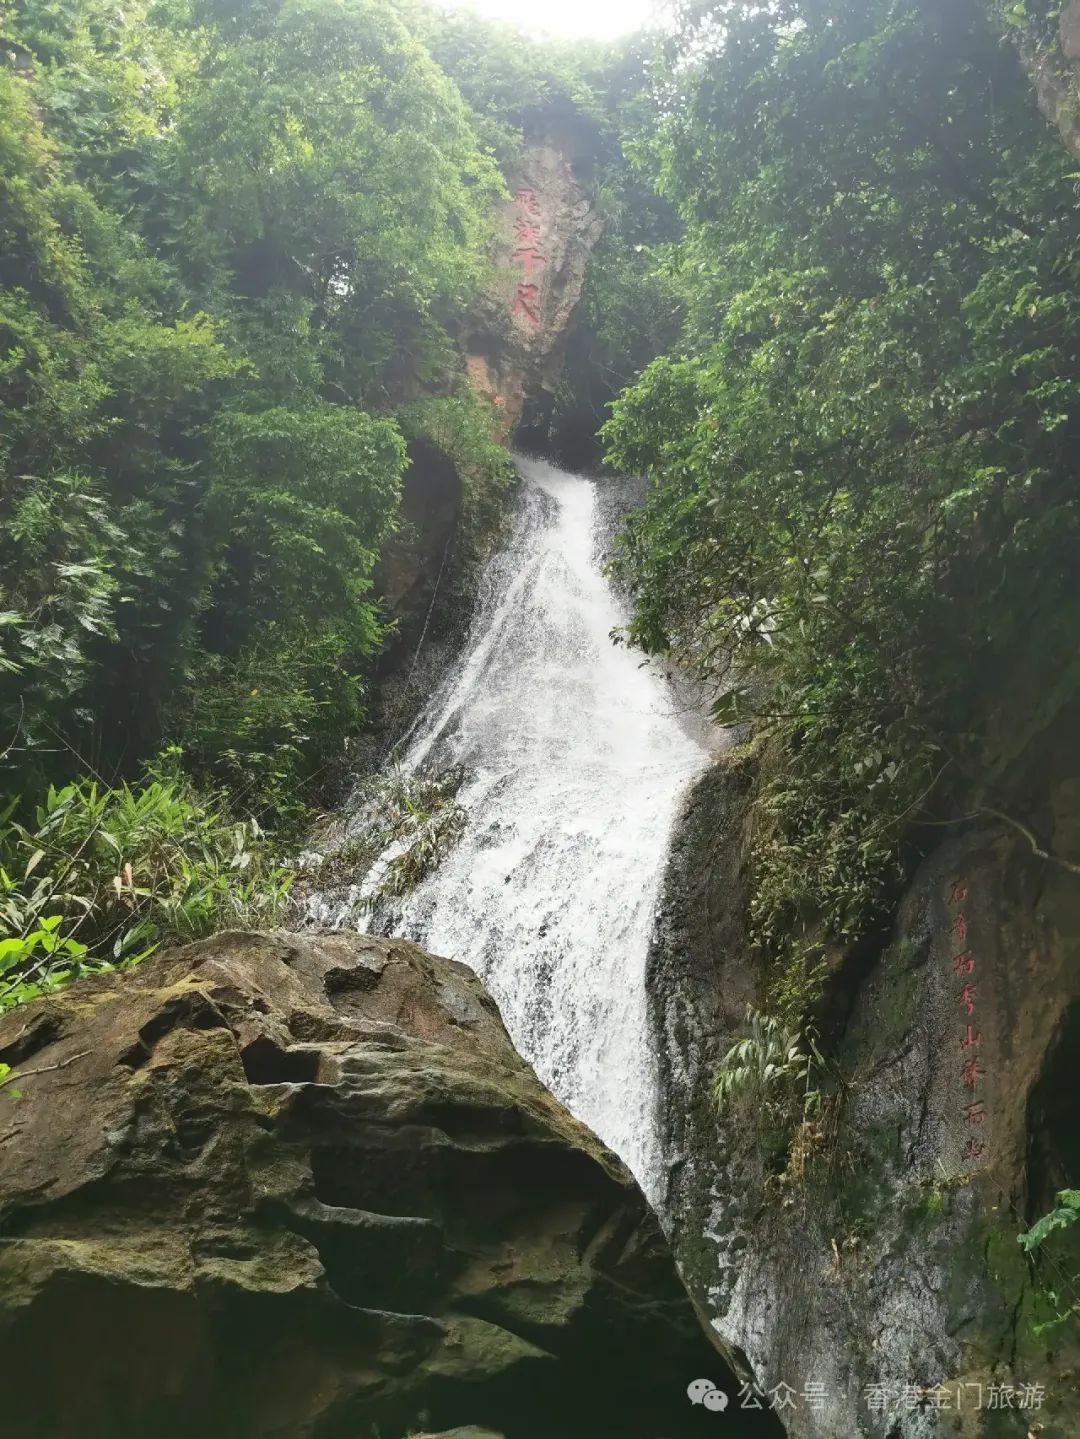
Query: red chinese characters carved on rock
[[530, 258], [964, 963], [971, 1069], [525, 302], [527, 255], [526, 232]]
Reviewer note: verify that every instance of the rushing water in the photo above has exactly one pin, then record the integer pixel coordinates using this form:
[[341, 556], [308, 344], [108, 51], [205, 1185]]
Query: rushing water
[[574, 761]]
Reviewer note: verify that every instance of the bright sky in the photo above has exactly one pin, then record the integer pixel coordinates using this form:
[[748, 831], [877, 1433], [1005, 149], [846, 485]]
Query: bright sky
[[601, 19]]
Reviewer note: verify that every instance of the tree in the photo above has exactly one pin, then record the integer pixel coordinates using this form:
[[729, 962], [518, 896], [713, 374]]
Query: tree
[[862, 506]]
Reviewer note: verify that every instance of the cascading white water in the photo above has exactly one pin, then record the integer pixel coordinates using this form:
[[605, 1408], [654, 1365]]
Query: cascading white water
[[574, 762]]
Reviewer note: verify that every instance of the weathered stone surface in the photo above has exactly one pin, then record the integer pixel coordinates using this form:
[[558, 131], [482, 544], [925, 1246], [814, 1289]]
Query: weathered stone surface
[[303, 1186], [1054, 69], [1069, 29], [896, 1261], [547, 232]]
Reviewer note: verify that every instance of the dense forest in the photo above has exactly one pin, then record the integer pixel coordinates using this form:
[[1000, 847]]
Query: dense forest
[[834, 306], [238, 246], [863, 521]]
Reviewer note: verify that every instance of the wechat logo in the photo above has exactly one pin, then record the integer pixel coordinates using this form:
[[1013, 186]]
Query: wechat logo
[[704, 1391]]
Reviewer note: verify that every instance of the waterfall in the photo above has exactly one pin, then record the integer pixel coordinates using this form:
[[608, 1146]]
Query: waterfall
[[574, 761]]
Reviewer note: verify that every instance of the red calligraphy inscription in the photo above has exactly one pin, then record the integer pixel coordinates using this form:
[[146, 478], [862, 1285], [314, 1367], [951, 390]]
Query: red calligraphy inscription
[[526, 200], [971, 1071], [525, 302], [526, 232], [529, 259]]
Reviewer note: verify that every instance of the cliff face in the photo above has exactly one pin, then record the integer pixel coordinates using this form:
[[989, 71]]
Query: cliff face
[[886, 1262], [548, 229], [303, 1186], [514, 347]]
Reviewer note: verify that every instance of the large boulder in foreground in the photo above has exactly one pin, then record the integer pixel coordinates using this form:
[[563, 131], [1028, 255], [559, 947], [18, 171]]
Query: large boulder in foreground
[[303, 1185]]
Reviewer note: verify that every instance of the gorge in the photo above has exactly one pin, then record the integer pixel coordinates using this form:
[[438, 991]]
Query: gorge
[[540, 818]]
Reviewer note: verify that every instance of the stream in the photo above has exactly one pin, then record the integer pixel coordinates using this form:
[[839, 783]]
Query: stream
[[575, 759]]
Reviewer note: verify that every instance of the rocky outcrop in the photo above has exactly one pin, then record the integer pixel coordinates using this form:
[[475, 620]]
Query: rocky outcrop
[[303, 1186], [514, 343], [547, 231], [426, 578], [885, 1262], [1051, 56]]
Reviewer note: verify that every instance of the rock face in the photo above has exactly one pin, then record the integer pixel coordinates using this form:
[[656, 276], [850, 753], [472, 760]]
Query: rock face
[[548, 229], [303, 1186], [1053, 65], [894, 1261], [514, 345]]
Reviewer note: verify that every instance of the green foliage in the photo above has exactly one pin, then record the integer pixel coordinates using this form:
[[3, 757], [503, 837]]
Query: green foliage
[[1065, 1213], [1059, 1220], [462, 427], [862, 505], [769, 1068], [8, 1076], [400, 828], [424, 821], [517, 87], [232, 242], [58, 552], [41, 960], [100, 877], [327, 177]]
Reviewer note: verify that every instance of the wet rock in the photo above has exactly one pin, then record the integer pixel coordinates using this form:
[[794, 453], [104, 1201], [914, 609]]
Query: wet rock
[[893, 1265], [303, 1186], [468, 1433]]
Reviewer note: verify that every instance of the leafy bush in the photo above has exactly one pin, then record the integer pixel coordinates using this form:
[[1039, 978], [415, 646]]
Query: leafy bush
[[1066, 1212], [1058, 1221], [768, 1067], [101, 877], [462, 426], [232, 241], [425, 824]]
